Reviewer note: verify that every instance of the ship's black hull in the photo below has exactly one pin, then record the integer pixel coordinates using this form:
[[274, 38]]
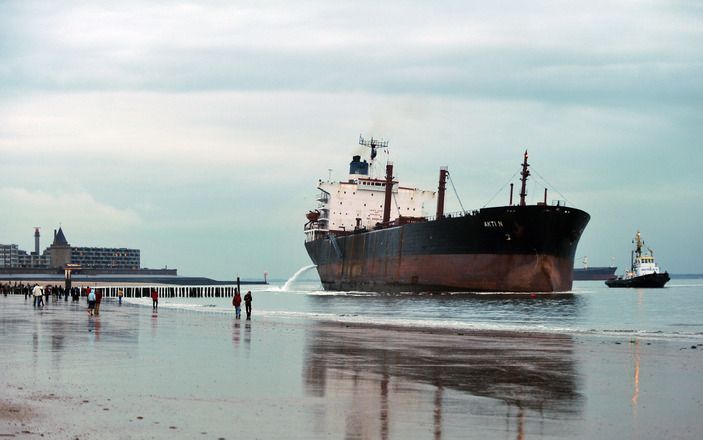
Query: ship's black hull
[[594, 273], [503, 249], [652, 280]]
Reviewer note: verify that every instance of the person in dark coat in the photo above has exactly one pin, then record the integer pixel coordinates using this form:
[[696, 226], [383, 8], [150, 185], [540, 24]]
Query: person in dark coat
[[247, 303]]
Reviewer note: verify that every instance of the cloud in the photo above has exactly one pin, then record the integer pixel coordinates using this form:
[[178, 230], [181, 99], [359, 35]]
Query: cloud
[[196, 125], [597, 52], [86, 216]]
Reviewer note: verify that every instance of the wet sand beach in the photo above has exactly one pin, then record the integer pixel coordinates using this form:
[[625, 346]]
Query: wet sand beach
[[135, 373]]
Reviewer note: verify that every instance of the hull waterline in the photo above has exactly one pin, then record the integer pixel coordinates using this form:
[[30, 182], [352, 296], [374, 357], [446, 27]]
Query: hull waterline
[[503, 249], [654, 280]]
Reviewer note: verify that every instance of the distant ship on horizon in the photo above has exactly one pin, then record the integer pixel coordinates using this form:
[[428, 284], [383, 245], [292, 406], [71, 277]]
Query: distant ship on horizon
[[596, 273], [358, 246]]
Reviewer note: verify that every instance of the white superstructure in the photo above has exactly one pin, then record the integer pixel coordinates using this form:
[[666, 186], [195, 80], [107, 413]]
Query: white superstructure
[[642, 264], [358, 203]]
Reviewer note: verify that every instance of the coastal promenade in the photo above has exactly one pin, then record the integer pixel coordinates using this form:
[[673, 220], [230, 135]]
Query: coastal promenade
[[135, 373]]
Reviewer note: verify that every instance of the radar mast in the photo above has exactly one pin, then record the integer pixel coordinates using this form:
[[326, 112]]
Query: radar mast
[[374, 144]]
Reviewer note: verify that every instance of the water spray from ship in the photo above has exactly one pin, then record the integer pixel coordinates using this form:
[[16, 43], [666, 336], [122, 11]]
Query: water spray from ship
[[295, 276]]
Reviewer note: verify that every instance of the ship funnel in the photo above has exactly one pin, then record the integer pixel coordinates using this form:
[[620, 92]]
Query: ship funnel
[[356, 166], [440, 191]]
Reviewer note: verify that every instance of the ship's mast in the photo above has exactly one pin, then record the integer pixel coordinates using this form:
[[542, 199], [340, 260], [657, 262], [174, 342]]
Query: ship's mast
[[637, 253], [638, 244], [524, 173]]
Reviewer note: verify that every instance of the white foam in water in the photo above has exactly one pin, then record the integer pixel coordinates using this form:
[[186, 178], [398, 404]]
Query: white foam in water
[[413, 323], [321, 293], [592, 311]]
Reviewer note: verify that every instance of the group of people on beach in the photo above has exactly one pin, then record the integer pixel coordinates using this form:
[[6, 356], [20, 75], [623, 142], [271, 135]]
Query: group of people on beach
[[237, 303], [95, 297], [41, 294], [44, 292]]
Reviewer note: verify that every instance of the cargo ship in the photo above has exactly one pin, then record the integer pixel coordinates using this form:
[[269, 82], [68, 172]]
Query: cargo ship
[[644, 271], [357, 245], [595, 273]]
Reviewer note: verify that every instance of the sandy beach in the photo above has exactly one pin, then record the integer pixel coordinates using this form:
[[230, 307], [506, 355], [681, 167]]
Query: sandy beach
[[135, 373]]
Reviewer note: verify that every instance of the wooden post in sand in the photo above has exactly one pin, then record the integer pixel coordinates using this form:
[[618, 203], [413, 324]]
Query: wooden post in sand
[[239, 289]]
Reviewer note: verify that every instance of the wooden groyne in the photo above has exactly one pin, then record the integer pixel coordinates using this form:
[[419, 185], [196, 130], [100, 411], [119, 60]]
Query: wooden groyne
[[132, 291]]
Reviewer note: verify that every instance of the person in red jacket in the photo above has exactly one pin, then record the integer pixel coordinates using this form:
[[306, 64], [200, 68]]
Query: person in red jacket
[[98, 299], [154, 299], [237, 303]]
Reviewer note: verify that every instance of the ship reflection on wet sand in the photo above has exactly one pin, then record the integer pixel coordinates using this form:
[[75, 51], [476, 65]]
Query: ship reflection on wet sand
[[392, 382]]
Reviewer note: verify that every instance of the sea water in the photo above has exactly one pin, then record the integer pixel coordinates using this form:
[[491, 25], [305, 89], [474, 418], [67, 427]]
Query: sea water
[[135, 373], [590, 308]]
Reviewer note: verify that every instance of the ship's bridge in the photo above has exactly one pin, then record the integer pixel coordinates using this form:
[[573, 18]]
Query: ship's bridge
[[645, 265]]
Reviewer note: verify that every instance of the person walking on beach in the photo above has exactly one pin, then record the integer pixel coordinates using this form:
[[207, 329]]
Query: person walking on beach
[[98, 299], [247, 303], [237, 303], [120, 294], [91, 301], [154, 299], [37, 293]]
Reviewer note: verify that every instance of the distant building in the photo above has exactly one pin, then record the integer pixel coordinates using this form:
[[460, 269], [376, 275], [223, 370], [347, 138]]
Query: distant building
[[12, 256], [9, 255], [106, 258], [61, 253]]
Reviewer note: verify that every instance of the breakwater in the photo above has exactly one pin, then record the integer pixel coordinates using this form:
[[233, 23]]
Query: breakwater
[[138, 291]]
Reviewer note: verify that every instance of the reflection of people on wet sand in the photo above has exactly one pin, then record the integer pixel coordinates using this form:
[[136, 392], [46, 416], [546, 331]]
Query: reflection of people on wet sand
[[247, 334], [247, 303], [154, 299], [94, 327], [235, 333], [91, 301], [237, 303]]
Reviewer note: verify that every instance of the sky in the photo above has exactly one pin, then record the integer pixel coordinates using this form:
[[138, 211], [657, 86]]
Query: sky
[[196, 131]]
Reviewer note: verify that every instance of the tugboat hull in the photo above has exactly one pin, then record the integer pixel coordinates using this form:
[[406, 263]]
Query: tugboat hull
[[652, 280]]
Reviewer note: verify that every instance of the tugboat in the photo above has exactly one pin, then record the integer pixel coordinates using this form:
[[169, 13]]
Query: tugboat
[[643, 272]]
